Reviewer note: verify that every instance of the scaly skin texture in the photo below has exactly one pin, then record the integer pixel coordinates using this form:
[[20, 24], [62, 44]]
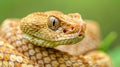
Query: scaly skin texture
[[12, 42], [10, 57]]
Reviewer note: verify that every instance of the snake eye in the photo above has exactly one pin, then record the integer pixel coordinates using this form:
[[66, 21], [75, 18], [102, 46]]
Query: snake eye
[[53, 23]]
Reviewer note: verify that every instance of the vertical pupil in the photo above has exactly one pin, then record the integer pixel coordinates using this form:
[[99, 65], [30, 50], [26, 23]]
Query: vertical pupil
[[54, 22]]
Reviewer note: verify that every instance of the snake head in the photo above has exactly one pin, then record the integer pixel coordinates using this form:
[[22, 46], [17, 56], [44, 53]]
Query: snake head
[[53, 28]]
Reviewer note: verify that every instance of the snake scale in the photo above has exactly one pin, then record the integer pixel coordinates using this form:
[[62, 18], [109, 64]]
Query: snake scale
[[42, 39]]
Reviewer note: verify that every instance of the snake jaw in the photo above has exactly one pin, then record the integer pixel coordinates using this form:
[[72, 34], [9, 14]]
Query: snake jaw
[[61, 39], [50, 44]]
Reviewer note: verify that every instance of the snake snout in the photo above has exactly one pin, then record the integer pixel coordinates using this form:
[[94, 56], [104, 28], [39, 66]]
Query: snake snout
[[82, 29], [78, 28], [71, 29], [68, 30]]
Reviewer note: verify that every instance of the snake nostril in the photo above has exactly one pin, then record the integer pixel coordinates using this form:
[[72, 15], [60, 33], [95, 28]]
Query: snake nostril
[[72, 28], [64, 30], [80, 35]]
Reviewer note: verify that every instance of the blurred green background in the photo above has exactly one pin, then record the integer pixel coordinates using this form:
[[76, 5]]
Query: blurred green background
[[105, 12]]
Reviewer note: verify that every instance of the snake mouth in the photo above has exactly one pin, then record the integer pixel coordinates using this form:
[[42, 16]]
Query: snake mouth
[[50, 39], [51, 44], [47, 38]]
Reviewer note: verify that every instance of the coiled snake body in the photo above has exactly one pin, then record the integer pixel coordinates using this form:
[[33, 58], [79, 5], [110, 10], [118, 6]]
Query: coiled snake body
[[42, 40]]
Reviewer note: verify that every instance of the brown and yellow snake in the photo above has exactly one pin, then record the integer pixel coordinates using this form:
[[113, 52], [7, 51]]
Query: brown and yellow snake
[[43, 39]]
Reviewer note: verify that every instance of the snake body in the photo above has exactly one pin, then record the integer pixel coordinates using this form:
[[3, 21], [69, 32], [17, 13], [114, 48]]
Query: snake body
[[36, 42]]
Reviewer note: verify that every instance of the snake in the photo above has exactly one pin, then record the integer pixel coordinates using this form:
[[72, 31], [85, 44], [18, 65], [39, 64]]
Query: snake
[[51, 39]]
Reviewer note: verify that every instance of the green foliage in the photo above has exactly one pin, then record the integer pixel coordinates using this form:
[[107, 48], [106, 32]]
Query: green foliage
[[115, 52], [115, 56], [105, 44]]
